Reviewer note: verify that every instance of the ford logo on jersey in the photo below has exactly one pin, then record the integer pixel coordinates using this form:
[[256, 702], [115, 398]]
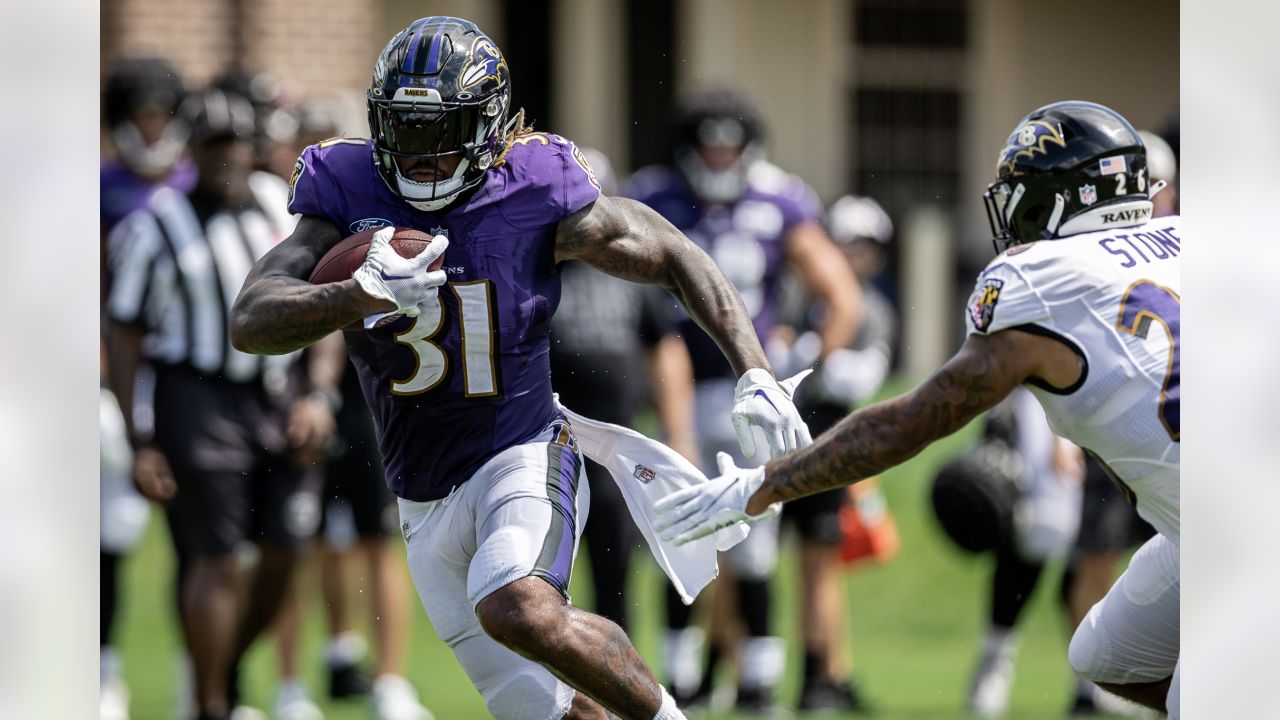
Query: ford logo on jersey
[[368, 224]]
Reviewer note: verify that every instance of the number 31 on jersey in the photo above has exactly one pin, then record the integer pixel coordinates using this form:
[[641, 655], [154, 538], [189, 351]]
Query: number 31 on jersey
[[475, 309]]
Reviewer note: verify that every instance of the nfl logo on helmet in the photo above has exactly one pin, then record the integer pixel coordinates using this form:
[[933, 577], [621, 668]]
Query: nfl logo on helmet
[[1088, 194]]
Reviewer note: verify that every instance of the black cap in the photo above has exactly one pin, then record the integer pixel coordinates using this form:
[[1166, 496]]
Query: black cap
[[137, 82], [214, 113]]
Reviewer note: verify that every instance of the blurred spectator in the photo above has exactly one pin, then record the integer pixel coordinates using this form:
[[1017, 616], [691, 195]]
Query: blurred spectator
[[359, 517], [275, 126], [600, 336], [845, 378], [1041, 524], [147, 140], [753, 219], [139, 104], [232, 432]]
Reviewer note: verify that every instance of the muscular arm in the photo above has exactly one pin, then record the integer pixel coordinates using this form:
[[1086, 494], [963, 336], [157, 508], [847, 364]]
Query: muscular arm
[[828, 278], [278, 311], [879, 437], [628, 240]]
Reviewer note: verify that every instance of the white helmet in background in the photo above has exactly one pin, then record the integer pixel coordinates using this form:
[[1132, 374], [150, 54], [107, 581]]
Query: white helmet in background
[[1162, 164], [853, 218]]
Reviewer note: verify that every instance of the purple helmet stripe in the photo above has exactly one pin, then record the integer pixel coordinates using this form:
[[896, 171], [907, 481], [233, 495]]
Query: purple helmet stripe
[[412, 55], [433, 55]]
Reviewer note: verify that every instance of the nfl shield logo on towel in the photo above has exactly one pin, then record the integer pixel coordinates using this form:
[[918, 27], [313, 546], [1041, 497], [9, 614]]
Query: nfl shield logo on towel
[[644, 474]]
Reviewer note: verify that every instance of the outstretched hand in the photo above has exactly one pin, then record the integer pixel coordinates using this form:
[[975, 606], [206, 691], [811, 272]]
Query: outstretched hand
[[698, 511]]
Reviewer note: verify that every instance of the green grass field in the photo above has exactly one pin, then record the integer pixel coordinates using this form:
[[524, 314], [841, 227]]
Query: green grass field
[[914, 626]]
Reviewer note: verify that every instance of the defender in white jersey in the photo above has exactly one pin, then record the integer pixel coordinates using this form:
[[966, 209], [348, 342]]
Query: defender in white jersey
[[1083, 306]]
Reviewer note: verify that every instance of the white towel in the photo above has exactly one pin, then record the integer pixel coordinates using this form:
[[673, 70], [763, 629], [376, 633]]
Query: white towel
[[646, 470]]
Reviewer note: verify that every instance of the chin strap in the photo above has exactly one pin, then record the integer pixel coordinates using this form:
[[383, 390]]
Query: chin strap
[[1156, 187]]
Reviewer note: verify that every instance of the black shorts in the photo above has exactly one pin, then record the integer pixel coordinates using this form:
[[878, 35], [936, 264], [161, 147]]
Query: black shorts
[[236, 481], [817, 517], [354, 474], [1108, 523]]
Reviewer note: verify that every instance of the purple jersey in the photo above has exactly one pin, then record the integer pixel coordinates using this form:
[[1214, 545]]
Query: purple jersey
[[122, 191], [746, 239], [450, 390]]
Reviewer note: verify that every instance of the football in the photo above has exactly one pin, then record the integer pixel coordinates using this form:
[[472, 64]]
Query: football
[[343, 259]]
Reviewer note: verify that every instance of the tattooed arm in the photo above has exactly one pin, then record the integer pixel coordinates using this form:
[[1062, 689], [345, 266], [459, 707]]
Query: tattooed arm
[[278, 311], [628, 240], [874, 439]]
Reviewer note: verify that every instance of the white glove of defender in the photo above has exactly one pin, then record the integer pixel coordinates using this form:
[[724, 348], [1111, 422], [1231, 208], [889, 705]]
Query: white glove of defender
[[697, 511], [403, 281], [760, 401]]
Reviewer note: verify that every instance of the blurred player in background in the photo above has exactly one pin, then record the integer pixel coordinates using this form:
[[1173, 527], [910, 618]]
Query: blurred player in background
[[233, 433], [844, 379], [486, 467], [1082, 306], [610, 342], [147, 143], [147, 140], [358, 518], [753, 219], [1019, 490]]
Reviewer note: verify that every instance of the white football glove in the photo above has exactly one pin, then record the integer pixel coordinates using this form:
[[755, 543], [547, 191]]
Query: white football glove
[[698, 511], [852, 376], [403, 281], [760, 401]]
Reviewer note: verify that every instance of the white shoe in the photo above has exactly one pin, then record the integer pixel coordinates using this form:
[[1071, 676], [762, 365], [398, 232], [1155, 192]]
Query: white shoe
[[244, 712], [395, 698], [113, 700], [292, 703], [113, 694], [992, 684]]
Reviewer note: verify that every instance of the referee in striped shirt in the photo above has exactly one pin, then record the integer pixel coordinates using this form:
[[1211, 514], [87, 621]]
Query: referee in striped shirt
[[233, 433]]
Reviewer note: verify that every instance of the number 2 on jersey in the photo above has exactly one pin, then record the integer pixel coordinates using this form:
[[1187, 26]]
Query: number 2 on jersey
[[476, 313], [1143, 302]]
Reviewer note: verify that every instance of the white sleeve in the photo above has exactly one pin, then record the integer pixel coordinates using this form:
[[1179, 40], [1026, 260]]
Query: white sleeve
[[1003, 298], [132, 249]]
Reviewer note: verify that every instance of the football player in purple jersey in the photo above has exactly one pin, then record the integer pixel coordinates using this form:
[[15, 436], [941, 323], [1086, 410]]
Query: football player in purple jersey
[[456, 372]]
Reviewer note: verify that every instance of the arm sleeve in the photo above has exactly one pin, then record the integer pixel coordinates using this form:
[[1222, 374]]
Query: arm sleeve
[[134, 248], [1003, 298]]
